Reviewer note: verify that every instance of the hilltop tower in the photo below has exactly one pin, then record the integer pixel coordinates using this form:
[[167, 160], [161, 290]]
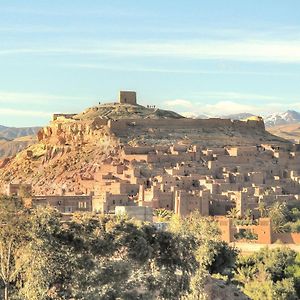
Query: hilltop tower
[[127, 97]]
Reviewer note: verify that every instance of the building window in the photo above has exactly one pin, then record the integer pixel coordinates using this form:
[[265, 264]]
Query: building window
[[68, 209], [82, 204]]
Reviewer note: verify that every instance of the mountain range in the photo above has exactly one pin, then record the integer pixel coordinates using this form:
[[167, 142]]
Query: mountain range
[[285, 118], [11, 133], [14, 140], [275, 119]]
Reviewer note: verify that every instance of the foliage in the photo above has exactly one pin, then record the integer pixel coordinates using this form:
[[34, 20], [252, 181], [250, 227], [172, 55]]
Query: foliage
[[233, 213], [92, 257], [162, 215], [269, 274], [211, 253], [13, 224], [262, 207], [279, 213], [104, 257], [245, 234]]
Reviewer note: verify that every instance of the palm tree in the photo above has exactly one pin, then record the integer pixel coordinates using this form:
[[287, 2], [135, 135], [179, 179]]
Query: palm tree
[[262, 207], [278, 213], [245, 274], [162, 214], [233, 213]]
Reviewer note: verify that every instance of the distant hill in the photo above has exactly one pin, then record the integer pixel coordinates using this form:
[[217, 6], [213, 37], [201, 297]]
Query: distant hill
[[290, 132], [14, 140], [10, 133], [275, 119], [10, 148], [288, 117]]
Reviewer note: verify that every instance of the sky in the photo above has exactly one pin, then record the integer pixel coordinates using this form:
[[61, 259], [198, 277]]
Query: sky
[[197, 57]]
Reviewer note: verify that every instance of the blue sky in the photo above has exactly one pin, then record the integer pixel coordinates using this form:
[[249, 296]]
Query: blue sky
[[213, 57]]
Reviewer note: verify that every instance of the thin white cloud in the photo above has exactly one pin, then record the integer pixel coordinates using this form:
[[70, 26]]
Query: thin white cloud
[[226, 107], [179, 102], [38, 29], [145, 69], [11, 97], [234, 96], [248, 50], [71, 12], [24, 113]]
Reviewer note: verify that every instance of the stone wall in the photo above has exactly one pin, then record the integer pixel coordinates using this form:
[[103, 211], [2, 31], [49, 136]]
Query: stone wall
[[121, 127]]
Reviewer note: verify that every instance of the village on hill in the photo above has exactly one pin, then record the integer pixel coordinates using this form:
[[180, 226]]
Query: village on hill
[[124, 158]]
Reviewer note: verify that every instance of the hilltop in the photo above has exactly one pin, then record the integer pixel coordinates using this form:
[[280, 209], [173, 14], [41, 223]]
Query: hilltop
[[117, 111], [73, 147]]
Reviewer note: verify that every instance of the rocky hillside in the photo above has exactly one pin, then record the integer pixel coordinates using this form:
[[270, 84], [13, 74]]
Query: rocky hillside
[[73, 149]]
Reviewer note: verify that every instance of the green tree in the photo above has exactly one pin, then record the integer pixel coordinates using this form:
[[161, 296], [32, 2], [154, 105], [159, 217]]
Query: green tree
[[278, 213], [13, 223], [268, 274], [45, 263], [262, 207], [211, 253], [100, 257]]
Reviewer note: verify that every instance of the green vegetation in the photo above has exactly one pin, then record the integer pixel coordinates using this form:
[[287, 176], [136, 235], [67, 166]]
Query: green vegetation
[[270, 274], [43, 257], [283, 218], [245, 234], [103, 257], [162, 215], [245, 220]]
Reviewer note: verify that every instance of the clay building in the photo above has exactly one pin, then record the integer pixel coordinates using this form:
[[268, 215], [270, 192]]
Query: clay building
[[127, 97]]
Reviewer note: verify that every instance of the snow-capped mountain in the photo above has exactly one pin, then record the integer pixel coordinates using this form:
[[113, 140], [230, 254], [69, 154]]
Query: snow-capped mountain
[[288, 117], [239, 116]]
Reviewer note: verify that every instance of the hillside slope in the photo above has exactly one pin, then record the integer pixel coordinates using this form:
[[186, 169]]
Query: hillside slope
[[290, 132], [70, 150]]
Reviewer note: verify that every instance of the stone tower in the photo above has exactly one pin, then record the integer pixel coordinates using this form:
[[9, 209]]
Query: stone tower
[[127, 97]]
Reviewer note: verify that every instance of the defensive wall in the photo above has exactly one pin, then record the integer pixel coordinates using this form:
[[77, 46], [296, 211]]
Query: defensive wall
[[121, 126], [264, 231]]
